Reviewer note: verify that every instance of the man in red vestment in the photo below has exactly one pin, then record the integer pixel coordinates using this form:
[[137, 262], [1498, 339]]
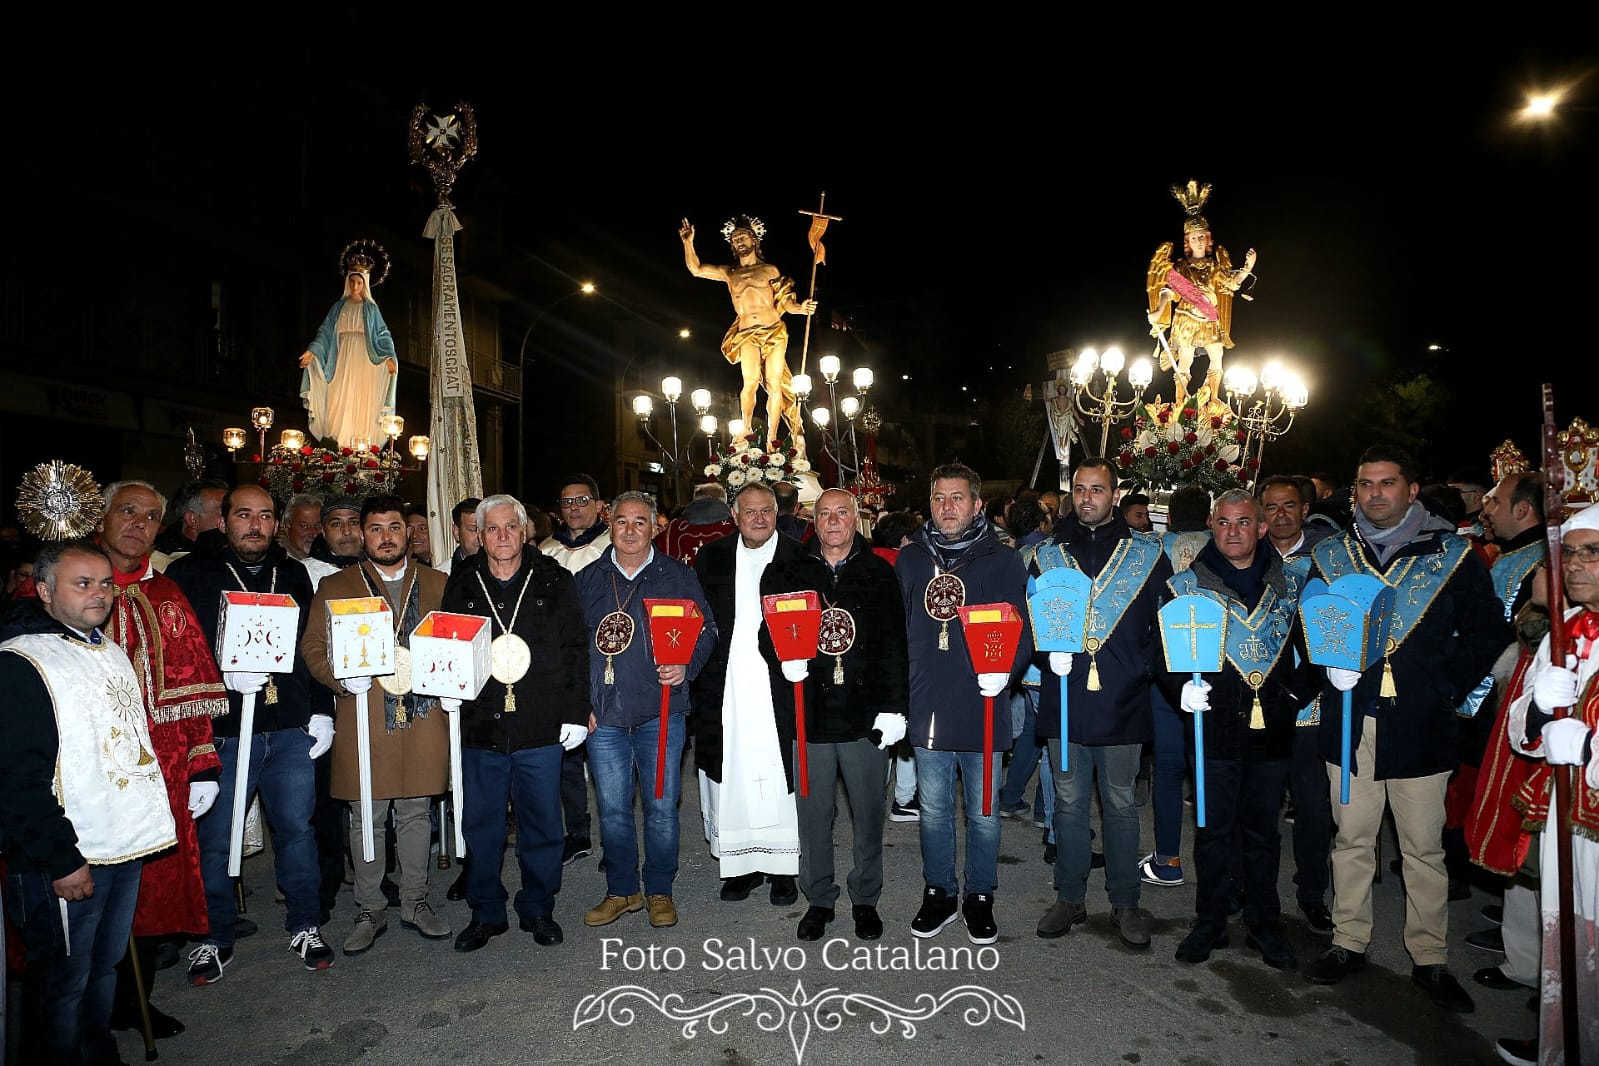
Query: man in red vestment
[[153, 622]]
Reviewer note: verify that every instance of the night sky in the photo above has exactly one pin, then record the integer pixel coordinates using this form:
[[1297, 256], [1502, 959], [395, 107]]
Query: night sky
[[997, 205]]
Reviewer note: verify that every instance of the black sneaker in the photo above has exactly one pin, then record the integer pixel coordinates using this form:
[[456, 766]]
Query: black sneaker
[[1203, 938], [938, 910], [308, 944], [1272, 942], [1334, 965], [910, 811], [979, 914], [575, 848], [207, 962], [1442, 988], [1317, 917]]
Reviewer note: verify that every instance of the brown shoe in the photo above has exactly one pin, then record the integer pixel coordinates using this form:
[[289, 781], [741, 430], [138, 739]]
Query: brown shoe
[[611, 908], [663, 912]]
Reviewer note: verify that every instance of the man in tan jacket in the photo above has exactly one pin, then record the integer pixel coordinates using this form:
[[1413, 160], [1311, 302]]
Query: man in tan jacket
[[410, 739]]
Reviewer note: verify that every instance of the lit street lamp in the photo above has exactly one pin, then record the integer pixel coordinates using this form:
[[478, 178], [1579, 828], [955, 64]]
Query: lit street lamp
[[1105, 406]]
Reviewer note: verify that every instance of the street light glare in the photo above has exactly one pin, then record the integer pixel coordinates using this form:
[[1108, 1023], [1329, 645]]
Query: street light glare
[[1541, 105], [587, 288]]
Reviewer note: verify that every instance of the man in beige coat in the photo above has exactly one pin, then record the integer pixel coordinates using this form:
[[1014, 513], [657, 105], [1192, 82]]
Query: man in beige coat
[[410, 739]]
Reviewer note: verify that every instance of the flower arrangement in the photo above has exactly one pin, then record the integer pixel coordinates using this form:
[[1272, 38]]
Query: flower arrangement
[[737, 467], [1198, 442], [330, 471]]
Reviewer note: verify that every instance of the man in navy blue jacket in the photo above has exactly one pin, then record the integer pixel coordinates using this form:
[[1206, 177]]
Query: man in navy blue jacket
[[1108, 693], [952, 561], [625, 725]]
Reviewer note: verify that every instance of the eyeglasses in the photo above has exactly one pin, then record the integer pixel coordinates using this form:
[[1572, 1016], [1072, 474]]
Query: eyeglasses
[[576, 501], [1580, 553]]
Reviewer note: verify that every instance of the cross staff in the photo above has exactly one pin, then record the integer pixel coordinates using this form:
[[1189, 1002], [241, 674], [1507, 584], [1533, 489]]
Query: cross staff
[[1194, 625], [817, 258]]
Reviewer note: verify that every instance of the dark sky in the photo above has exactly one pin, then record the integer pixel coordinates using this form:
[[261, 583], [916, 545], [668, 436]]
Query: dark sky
[[997, 204]]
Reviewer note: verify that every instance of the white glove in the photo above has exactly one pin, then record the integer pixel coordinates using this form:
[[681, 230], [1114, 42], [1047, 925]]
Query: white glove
[[573, 735], [1196, 697], [357, 686], [797, 670], [1563, 740], [450, 704], [1060, 662], [321, 729], [1556, 686], [1343, 680], [892, 726], [992, 684], [244, 683], [201, 795]]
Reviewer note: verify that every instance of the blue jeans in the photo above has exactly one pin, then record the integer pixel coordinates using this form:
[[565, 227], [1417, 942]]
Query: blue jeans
[[282, 771], [1116, 766], [530, 780], [935, 781], [1024, 759], [66, 996], [615, 756], [1171, 769]]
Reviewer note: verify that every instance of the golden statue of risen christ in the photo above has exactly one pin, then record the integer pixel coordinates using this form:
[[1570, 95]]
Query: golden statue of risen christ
[[758, 340]]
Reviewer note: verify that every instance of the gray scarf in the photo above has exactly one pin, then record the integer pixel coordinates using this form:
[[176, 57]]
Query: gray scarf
[[1385, 542]]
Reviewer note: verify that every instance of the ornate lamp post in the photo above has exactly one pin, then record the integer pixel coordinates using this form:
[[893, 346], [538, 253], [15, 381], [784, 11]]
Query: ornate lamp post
[[1105, 406], [1282, 395]]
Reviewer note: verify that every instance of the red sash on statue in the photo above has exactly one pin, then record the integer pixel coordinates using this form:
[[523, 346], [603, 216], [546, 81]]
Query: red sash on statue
[[1494, 833]]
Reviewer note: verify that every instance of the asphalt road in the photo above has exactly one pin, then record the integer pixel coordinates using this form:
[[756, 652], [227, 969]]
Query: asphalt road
[[730, 984]]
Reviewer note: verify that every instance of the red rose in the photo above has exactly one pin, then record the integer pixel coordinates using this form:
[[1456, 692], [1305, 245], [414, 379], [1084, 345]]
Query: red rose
[[1149, 452], [296, 467], [327, 475], [349, 468], [1210, 449], [1189, 412], [306, 450], [761, 460], [328, 457], [297, 485], [1187, 465], [351, 488], [1215, 421], [277, 460], [1253, 464], [379, 476], [744, 459], [255, 458], [1126, 458], [1127, 433], [264, 483], [371, 464], [1221, 464], [1240, 436], [377, 447], [1189, 438], [793, 453], [1173, 447], [346, 451], [1163, 417]]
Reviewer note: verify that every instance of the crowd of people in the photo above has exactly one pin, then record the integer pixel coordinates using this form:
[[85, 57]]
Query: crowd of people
[[123, 747]]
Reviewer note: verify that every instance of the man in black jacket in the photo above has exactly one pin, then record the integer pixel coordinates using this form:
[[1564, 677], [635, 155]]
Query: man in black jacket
[[534, 707], [1446, 631], [742, 747], [854, 706], [287, 736], [1250, 708], [1108, 694]]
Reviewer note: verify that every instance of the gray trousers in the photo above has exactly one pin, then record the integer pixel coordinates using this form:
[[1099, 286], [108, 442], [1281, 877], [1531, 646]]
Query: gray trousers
[[864, 767], [413, 842]]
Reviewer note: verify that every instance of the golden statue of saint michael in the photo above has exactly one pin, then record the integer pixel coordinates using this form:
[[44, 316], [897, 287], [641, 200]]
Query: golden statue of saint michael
[[1191, 299]]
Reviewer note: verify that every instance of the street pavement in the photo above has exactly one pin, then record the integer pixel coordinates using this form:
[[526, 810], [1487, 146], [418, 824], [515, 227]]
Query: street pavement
[[731, 985]]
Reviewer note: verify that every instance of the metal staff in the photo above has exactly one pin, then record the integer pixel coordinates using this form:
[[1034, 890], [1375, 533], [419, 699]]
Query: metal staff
[[241, 783], [816, 261], [1559, 645], [363, 758]]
